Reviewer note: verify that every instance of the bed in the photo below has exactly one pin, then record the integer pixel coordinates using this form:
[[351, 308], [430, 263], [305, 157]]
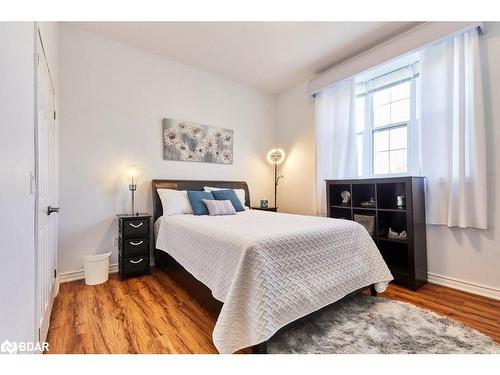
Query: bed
[[261, 270]]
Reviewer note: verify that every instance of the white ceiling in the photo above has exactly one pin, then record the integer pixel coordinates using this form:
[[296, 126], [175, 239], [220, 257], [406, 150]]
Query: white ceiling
[[271, 56]]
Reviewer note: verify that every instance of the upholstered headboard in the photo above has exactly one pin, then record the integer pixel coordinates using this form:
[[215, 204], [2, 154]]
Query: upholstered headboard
[[191, 185]]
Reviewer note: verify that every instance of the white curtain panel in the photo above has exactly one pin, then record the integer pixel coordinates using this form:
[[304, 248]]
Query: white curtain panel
[[335, 138], [452, 130]]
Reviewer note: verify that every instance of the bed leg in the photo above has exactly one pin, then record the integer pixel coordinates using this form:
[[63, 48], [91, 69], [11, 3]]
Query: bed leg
[[260, 348], [373, 291]]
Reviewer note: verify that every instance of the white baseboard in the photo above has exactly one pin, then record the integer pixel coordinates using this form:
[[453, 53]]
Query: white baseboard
[[465, 286], [80, 274]]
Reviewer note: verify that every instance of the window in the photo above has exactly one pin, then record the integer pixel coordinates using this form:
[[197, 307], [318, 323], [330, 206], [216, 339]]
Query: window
[[385, 111]]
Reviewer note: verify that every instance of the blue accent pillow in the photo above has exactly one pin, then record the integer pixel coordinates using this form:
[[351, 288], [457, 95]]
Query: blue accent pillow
[[196, 199], [222, 195]]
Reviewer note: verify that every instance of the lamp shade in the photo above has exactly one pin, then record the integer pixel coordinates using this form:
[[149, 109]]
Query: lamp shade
[[276, 156], [132, 172]]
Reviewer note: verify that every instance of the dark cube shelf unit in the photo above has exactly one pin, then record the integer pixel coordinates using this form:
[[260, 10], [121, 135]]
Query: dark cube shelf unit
[[406, 258]]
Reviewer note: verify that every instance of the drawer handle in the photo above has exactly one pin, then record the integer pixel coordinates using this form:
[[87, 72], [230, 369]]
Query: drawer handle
[[135, 226], [136, 261], [136, 243]]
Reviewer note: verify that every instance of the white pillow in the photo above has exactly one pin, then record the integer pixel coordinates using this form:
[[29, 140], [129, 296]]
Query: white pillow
[[240, 193], [219, 208], [174, 202]]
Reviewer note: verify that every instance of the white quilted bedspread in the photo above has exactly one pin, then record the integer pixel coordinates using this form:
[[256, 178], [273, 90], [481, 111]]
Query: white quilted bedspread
[[270, 269]]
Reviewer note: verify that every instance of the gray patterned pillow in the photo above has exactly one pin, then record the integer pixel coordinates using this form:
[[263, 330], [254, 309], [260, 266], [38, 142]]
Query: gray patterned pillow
[[216, 208]]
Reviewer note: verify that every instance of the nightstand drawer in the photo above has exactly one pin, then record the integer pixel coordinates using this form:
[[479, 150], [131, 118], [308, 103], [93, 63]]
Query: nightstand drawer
[[135, 265], [136, 228], [135, 246]]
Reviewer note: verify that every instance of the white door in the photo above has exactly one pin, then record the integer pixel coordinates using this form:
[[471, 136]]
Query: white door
[[45, 197]]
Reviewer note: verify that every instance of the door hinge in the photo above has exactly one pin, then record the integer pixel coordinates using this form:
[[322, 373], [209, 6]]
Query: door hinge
[[55, 274], [54, 115]]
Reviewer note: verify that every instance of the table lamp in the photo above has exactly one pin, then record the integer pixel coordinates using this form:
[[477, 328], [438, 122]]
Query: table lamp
[[132, 173]]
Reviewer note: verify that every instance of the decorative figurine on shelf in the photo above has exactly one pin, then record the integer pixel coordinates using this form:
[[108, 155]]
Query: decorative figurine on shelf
[[393, 235], [264, 203], [370, 203], [346, 197]]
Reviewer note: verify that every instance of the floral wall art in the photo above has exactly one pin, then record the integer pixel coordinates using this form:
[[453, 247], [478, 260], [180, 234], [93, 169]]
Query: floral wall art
[[189, 141]]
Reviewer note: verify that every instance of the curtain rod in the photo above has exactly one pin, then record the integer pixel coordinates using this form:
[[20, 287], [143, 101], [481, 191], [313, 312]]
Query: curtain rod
[[403, 44]]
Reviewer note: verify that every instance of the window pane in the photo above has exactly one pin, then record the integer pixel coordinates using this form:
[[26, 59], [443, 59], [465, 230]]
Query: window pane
[[382, 115], [398, 138], [400, 111], [381, 141], [398, 161], [381, 97], [401, 91], [360, 114], [360, 154], [381, 163], [389, 151]]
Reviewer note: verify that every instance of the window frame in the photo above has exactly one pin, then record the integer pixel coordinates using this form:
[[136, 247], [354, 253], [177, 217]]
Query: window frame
[[368, 133]]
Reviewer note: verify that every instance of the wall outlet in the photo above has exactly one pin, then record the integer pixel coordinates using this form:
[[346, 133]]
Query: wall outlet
[[115, 241]]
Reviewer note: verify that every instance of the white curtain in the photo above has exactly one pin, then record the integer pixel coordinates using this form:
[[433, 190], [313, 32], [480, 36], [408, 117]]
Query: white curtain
[[335, 138], [452, 131]]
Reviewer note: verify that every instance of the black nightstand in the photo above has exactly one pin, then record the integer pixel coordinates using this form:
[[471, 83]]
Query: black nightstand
[[271, 209], [134, 244]]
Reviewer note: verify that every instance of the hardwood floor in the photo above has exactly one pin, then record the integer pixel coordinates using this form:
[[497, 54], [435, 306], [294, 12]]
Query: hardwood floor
[[148, 314], [152, 314]]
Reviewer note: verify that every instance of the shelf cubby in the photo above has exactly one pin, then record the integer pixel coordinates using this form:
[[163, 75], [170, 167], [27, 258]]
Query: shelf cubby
[[367, 212], [395, 220], [387, 193], [335, 194], [363, 193], [396, 256], [341, 213]]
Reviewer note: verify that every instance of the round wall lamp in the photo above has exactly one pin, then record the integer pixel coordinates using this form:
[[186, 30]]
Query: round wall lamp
[[276, 156]]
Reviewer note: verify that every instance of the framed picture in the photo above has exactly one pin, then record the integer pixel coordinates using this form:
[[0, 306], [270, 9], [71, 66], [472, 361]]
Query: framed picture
[[189, 141]]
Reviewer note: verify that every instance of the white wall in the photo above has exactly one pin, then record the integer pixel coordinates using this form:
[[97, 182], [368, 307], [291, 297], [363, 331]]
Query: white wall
[[112, 99], [295, 133], [17, 256], [467, 259]]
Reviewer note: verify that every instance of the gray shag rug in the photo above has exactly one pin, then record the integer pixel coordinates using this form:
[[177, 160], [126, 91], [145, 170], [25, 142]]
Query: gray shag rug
[[363, 325]]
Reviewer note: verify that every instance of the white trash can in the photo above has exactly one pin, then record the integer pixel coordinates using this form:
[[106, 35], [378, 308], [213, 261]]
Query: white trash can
[[96, 268]]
